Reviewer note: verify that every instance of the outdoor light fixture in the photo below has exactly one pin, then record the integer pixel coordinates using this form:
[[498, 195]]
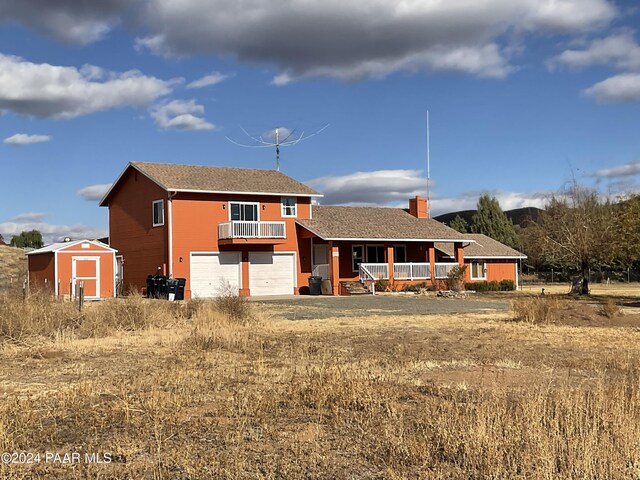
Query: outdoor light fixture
[[264, 206]]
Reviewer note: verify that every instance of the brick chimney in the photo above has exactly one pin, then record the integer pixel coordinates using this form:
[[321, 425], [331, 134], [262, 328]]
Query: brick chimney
[[418, 207]]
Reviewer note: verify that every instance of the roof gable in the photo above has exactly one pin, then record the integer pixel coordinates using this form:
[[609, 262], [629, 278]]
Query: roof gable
[[483, 247], [206, 179]]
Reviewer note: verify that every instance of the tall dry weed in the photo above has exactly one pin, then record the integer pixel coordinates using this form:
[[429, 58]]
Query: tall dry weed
[[536, 310]]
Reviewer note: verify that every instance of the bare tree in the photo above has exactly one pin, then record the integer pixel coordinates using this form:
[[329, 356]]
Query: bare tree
[[576, 230]]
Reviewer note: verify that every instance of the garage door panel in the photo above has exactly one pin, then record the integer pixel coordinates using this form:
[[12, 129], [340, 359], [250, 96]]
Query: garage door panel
[[215, 274], [271, 273]]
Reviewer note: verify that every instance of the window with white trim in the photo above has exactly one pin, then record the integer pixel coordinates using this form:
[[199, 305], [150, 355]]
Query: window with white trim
[[357, 257], [288, 206], [247, 212], [158, 212], [478, 271]]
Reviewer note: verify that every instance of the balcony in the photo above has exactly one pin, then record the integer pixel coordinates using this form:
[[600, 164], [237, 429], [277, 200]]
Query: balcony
[[240, 231]]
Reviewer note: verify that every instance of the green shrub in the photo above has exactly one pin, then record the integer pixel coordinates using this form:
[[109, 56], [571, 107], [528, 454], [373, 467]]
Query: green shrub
[[507, 285], [491, 286]]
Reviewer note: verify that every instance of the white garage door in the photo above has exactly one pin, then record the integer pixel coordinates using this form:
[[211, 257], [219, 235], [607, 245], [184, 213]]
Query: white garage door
[[271, 273], [213, 274]]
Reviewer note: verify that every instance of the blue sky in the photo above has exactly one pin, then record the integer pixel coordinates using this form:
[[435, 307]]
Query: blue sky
[[522, 95]]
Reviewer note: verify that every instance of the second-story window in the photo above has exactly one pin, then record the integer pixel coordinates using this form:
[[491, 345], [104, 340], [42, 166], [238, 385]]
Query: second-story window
[[158, 213], [247, 212], [288, 206]]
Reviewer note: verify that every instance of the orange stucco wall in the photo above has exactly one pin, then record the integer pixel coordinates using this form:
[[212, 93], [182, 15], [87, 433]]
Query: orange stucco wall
[[131, 231], [497, 270], [195, 219]]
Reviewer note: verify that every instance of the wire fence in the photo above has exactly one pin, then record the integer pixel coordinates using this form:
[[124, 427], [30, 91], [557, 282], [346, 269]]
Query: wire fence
[[531, 277]]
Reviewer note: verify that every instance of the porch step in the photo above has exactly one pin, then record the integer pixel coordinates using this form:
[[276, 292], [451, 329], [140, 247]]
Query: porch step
[[355, 288]]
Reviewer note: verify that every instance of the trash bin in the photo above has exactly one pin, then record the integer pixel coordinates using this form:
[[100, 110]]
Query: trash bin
[[150, 286], [315, 284], [180, 285], [159, 286], [172, 286]]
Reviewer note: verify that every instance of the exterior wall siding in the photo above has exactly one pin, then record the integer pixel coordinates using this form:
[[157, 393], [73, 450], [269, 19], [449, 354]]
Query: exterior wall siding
[[41, 267], [65, 270], [131, 232], [497, 270], [195, 220]]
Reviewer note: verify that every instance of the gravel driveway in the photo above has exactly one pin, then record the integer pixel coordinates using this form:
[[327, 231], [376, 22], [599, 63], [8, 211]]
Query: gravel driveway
[[320, 307]]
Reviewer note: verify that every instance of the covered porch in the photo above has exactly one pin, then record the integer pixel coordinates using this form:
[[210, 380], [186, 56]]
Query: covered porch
[[370, 261]]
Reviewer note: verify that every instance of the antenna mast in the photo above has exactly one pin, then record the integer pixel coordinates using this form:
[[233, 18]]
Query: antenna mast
[[428, 170], [272, 139]]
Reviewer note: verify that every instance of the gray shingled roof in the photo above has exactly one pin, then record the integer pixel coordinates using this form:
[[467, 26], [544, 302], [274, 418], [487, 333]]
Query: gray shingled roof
[[484, 247], [221, 179], [371, 223]]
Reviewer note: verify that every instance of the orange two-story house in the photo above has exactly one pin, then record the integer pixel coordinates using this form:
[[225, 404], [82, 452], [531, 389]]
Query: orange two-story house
[[257, 232], [220, 228]]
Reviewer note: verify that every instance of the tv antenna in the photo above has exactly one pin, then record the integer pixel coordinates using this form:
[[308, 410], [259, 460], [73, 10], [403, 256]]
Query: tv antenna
[[277, 137], [428, 169]]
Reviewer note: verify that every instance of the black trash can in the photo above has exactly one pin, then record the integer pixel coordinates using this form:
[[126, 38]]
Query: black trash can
[[150, 286], [180, 284], [315, 284], [159, 286], [172, 285]]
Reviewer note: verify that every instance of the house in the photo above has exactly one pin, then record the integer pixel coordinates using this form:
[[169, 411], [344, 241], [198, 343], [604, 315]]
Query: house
[[62, 266], [487, 259], [257, 232]]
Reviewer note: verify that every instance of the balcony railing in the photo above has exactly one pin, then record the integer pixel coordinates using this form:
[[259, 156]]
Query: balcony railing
[[443, 269], [244, 229], [411, 271]]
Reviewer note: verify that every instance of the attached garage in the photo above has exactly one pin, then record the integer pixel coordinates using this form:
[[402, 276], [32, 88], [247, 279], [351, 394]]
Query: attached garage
[[272, 273], [63, 267], [213, 274]]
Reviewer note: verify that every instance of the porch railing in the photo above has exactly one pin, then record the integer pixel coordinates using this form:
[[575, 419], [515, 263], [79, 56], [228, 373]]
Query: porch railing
[[411, 271], [443, 269], [379, 271], [321, 270], [245, 229], [367, 278]]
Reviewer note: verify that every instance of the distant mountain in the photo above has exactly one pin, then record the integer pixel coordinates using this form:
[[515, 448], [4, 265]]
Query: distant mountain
[[518, 215]]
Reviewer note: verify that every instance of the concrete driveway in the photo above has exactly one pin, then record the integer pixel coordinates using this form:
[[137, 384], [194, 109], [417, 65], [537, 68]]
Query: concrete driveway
[[306, 307]]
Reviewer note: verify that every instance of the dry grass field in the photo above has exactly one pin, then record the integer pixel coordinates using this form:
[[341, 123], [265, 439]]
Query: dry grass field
[[13, 266], [201, 390]]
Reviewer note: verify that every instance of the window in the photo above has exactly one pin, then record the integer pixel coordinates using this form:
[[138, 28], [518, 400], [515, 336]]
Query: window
[[478, 271], [375, 254], [247, 212], [158, 213], [288, 206], [399, 254], [357, 257]]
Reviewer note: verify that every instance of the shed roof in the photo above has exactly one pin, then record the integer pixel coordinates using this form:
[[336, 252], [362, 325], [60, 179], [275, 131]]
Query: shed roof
[[375, 223], [207, 179], [484, 247], [54, 247]]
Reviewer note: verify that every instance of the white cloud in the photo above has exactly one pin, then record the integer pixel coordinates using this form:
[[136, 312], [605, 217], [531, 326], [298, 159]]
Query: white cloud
[[351, 39], [44, 90], [29, 217], [52, 232], [94, 193], [181, 115], [624, 87], [381, 187], [24, 139], [625, 170], [68, 20], [620, 50], [209, 80]]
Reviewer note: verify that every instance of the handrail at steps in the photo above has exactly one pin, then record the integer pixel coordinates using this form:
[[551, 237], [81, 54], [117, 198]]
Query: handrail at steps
[[366, 275]]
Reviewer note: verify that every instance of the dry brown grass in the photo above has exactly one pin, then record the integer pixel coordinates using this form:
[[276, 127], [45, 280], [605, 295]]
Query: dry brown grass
[[13, 267], [471, 396]]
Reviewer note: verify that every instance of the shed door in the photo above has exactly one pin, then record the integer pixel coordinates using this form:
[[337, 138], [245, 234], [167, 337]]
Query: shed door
[[271, 273], [214, 274], [87, 270]]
